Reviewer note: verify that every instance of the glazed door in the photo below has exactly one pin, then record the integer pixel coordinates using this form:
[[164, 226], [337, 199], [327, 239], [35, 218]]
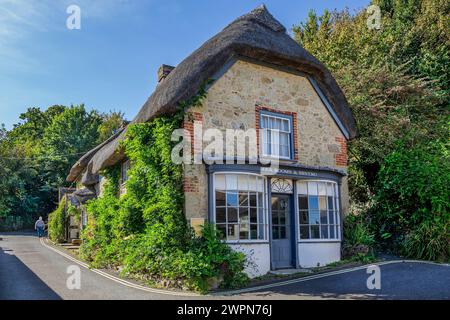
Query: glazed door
[[281, 232]]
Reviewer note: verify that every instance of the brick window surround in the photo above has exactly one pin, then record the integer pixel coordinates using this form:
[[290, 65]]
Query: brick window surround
[[191, 184], [341, 157], [259, 108]]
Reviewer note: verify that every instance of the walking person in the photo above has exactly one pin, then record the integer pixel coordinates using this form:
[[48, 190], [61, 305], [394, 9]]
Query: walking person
[[39, 227]]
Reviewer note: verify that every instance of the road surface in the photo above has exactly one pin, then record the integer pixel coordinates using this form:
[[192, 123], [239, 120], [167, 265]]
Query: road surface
[[31, 270]]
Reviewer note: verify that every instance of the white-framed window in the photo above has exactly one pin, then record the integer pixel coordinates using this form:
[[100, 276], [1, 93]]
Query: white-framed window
[[240, 206], [318, 209], [276, 135], [125, 166]]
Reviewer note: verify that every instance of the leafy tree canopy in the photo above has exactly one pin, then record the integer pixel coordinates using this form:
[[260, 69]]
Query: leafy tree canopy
[[37, 153]]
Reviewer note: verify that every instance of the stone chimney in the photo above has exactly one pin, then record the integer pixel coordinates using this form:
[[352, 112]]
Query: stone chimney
[[163, 72]]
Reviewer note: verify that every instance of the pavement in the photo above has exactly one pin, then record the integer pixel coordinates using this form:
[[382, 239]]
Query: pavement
[[33, 270]]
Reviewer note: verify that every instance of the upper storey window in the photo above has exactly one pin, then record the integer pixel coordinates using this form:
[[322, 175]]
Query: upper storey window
[[276, 135]]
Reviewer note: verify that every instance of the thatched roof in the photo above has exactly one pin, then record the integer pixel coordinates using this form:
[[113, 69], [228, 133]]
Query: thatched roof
[[256, 35], [81, 196], [83, 162]]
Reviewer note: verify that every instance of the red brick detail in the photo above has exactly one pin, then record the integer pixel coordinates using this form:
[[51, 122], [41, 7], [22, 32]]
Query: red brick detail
[[188, 124], [341, 158], [258, 108], [190, 184]]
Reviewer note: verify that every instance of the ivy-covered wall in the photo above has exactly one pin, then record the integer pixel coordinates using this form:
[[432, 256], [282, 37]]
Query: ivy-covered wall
[[144, 231]]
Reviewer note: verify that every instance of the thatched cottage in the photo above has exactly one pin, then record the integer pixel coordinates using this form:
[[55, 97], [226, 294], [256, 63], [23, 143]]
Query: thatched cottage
[[284, 217]]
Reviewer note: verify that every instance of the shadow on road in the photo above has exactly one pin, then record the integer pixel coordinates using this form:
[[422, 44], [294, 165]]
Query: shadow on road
[[18, 282]]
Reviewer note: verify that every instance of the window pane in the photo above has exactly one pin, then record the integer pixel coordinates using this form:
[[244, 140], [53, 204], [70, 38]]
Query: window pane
[[260, 184], [322, 203], [282, 218], [284, 139], [323, 217], [304, 217], [222, 230], [274, 217], [232, 214], [220, 198], [253, 231], [282, 232], [285, 126], [242, 182], [324, 232], [330, 203], [302, 188], [314, 217], [232, 231], [252, 183], [244, 231], [231, 181], [315, 232], [312, 188], [275, 142], [220, 182], [303, 203], [260, 215], [275, 233], [304, 232], [330, 189], [276, 123], [260, 199], [313, 203], [253, 215], [253, 200], [284, 151], [232, 199], [274, 203], [243, 199], [261, 231], [221, 215], [265, 122], [243, 215], [332, 233], [322, 189], [331, 217]]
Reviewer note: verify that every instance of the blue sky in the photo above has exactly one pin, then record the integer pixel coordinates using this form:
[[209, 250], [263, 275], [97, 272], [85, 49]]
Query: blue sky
[[111, 63]]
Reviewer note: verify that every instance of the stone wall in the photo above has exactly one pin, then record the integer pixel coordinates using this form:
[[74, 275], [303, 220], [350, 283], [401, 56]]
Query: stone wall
[[232, 102]]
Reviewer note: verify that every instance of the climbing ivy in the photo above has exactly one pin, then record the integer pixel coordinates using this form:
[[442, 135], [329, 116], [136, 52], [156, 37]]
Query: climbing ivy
[[145, 231], [56, 222]]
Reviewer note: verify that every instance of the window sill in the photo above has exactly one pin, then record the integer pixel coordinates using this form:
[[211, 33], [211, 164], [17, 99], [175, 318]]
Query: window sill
[[280, 159], [236, 242], [319, 240]]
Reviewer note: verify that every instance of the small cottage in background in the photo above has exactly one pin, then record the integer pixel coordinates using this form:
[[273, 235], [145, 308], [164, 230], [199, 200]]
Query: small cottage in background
[[74, 211], [287, 217]]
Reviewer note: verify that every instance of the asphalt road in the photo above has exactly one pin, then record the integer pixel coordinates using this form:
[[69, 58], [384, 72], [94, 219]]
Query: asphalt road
[[29, 270]]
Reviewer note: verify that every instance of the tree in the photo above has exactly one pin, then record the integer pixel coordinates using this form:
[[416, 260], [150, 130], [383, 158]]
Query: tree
[[396, 80], [394, 89], [36, 155]]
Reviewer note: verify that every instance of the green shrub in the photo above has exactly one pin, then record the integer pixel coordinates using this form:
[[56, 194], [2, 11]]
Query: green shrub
[[359, 241], [429, 241], [413, 201], [56, 223]]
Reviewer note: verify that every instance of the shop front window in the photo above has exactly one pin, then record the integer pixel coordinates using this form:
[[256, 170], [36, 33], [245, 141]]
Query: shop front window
[[240, 206], [318, 206]]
